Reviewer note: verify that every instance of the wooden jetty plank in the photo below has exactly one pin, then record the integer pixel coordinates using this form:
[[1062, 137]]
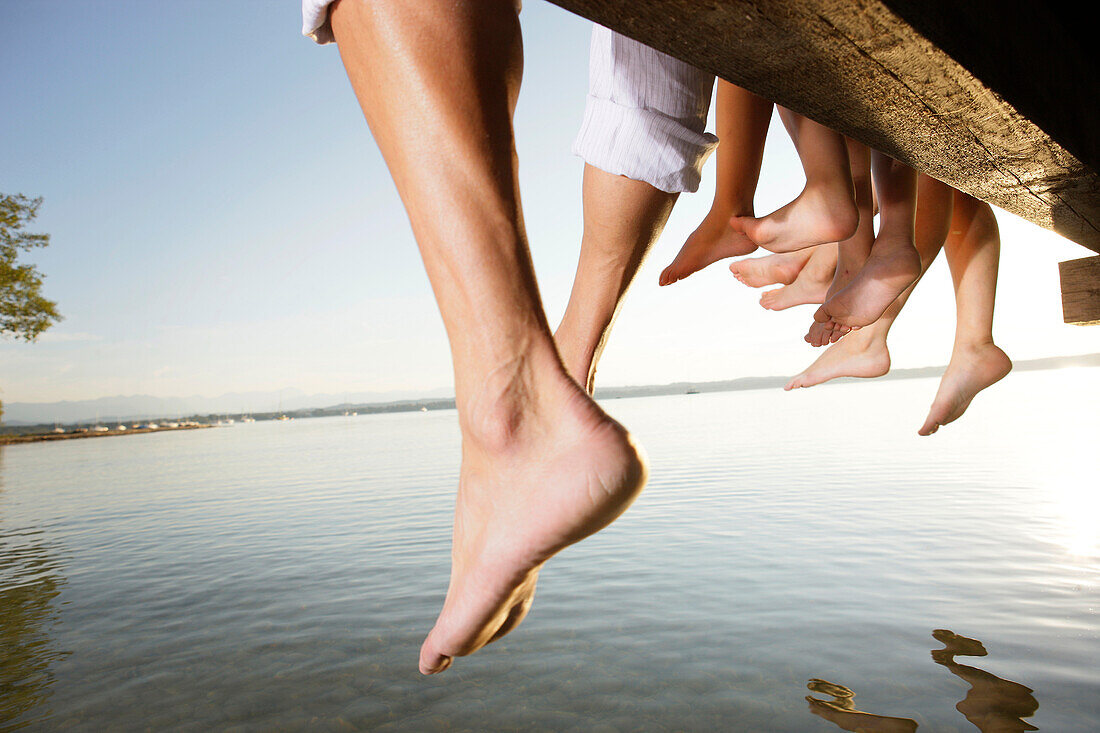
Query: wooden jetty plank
[[1080, 291], [861, 68]]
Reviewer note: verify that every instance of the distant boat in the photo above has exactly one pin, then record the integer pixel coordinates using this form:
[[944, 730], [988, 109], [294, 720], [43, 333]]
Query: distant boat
[[247, 418], [151, 426], [101, 429], [282, 417], [423, 409], [692, 390]]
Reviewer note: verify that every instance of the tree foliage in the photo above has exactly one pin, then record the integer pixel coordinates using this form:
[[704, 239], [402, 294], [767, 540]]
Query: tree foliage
[[24, 312]]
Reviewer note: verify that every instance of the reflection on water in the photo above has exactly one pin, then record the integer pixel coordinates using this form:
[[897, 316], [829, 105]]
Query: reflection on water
[[992, 704], [29, 583], [842, 712]]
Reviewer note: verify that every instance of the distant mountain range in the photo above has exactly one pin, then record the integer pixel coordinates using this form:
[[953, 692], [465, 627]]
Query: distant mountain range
[[142, 407]]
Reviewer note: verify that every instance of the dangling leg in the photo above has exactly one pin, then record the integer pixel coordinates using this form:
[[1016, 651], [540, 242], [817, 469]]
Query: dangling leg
[[644, 140], [863, 353], [742, 119], [622, 220], [825, 211], [973, 253], [542, 465], [852, 253]]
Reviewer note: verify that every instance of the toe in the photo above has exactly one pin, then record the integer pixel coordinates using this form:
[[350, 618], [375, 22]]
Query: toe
[[432, 661]]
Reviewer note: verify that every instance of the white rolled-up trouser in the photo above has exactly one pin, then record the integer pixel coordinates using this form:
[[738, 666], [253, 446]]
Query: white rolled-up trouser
[[646, 113]]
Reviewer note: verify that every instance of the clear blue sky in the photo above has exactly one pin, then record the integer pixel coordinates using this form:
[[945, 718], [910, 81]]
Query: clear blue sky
[[222, 220]]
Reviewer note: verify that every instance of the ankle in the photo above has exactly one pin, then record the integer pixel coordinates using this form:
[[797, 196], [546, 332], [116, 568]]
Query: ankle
[[500, 406], [972, 345], [726, 206]]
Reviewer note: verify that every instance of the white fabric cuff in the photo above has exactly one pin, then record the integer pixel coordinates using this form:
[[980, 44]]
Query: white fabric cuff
[[643, 145], [315, 22]]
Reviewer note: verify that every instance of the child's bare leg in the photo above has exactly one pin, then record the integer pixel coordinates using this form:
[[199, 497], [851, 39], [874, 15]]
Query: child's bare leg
[[780, 269], [622, 220], [742, 121], [973, 252], [825, 211], [894, 263], [863, 353], [852, 253], [812, 282]]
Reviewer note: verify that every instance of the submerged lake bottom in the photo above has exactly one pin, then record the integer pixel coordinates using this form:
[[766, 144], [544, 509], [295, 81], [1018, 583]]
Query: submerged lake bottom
[[789, 546]]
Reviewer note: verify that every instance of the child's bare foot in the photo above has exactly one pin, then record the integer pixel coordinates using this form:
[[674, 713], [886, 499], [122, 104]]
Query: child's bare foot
[[713, 240], [811, 285], [823, 334], [542, 468], [972, 369], [892, 266], [802, 291], [820, 214], [859, 354], [782, 269]]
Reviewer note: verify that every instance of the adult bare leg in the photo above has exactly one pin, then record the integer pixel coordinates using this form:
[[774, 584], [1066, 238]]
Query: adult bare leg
[[542, 466], [742, 119], [973, 252], [622, 220]]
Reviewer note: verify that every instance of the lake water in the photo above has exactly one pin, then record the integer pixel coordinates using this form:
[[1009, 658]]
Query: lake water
[[282, 575]]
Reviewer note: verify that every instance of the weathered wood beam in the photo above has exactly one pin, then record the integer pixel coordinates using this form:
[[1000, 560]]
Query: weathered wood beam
[[864, 70], [1080, 291]]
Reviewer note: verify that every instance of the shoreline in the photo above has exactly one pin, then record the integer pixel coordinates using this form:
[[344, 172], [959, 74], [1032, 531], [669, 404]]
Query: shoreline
[[46, 437]]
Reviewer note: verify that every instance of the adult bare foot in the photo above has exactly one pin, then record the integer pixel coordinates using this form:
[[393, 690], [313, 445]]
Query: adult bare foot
[[860, 354], [781, 269], [819, 215], [713, 240], [893, 265], [972, 369], [542, 468]]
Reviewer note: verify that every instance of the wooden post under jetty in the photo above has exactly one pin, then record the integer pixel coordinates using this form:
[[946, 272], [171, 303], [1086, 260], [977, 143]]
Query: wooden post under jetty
[[998, 99], [1081, 291]]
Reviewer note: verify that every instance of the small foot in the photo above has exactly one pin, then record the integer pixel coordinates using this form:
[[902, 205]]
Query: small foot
[[819, 215], [862, 356], [971, 370], [892, 266], [713, 240]]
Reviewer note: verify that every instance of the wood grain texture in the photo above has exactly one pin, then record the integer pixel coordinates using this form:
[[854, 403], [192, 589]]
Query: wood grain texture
[[1080, 291], [860, 68]]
